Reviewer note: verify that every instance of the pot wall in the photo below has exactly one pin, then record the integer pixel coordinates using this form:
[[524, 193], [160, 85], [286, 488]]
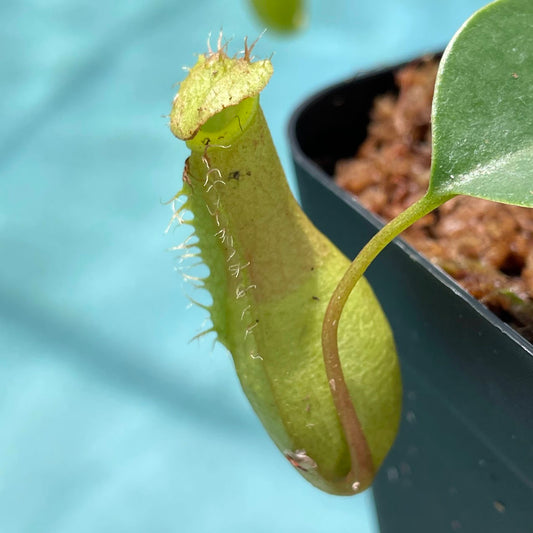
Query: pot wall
[[463, 459]]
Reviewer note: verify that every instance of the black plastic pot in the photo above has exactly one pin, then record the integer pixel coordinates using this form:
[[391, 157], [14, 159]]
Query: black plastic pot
[[463, 460]]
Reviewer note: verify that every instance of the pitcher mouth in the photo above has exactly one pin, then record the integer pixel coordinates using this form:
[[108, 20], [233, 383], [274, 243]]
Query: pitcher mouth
[[226, 126], [219, 96]]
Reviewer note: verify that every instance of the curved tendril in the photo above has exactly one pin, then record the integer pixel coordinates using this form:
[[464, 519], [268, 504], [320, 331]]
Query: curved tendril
[[362, 468]]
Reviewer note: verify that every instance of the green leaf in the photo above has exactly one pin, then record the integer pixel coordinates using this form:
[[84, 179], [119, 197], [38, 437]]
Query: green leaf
[[280, 15], [483, 108]]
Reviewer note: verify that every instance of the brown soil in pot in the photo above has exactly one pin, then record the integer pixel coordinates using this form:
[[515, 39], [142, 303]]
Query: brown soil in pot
[[486, 246]]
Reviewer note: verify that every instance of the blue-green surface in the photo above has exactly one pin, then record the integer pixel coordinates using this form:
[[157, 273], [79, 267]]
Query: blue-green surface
[[110, 421]]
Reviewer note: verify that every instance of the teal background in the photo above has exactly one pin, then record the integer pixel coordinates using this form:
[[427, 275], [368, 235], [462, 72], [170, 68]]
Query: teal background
[[110, 420]]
